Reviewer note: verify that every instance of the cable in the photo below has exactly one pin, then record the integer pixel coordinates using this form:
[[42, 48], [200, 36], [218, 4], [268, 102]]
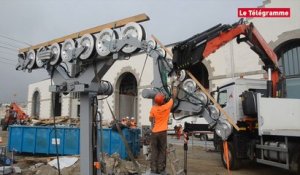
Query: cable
[[5, 43], [15, 40], [142, 70], [7, 63], [161, 78], [54, 122], [15, 50], [67, 72], [94, 132], [6, 59], [8, 53], [101, 135]]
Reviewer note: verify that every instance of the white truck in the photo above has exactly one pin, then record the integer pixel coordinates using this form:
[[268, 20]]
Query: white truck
[[269, 127]]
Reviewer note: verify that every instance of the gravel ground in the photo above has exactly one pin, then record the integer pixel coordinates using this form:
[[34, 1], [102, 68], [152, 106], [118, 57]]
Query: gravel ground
[[201, 161]]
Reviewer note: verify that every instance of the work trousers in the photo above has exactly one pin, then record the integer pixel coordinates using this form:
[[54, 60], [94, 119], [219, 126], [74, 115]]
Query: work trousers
[[158, 151]]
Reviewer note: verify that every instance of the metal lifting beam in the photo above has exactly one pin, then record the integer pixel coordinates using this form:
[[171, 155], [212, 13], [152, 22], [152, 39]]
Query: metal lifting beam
[[116, 24], [77, 63]]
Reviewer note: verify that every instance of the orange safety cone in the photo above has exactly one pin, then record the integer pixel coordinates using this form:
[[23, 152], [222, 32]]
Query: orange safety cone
[[97, 165]]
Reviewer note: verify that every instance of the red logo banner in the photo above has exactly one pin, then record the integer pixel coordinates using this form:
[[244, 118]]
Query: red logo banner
[[264, 12]]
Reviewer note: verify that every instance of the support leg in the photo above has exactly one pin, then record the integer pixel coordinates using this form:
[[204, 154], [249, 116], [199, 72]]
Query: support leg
[[86, 158]]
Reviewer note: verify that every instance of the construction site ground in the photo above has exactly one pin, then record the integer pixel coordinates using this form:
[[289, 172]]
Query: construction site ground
[[202, 160]]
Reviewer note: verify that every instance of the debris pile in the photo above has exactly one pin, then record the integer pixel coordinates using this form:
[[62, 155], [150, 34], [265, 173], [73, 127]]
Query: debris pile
[[115, 165], [61, 120], [70, 165]]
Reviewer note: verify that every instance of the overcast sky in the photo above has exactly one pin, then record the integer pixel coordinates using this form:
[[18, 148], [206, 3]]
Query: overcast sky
[[36, 21]]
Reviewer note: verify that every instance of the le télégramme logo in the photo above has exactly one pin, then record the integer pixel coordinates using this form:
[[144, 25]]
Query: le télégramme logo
[[264, 12]]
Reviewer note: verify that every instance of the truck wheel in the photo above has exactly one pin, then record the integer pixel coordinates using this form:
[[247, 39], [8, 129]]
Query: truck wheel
[[295, 163], [217, 142], [234, 162]]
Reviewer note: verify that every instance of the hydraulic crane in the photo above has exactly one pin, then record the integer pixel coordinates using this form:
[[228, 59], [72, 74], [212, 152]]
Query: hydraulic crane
[[267, 131], [193, 50]]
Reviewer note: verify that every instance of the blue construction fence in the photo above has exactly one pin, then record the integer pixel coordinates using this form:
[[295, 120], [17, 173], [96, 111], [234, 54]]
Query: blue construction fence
[[41, 140]]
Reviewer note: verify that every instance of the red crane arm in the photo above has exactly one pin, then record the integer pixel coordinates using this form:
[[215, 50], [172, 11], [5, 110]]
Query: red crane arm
[[200, 46]]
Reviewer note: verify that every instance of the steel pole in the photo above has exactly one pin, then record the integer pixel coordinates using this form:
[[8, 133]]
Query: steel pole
[[86, 156]]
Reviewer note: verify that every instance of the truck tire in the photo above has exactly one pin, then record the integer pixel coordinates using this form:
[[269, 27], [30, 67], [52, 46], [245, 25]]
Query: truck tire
[[217, 142], [295, 164], [234, 162]]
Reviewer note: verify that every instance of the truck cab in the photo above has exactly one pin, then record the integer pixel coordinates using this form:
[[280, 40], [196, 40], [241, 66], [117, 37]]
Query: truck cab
[[230, 95]]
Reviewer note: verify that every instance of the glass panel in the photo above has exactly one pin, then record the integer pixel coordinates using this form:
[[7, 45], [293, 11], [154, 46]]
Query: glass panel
[[292, 88], [296, 60], [280, 64], [222, 98], [291, 64], [298, 56], [286, 64]]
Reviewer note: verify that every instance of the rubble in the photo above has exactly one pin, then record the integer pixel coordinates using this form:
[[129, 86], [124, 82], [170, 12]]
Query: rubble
[[17, 170], [33, 167], [115, 165], [63, 162], [5, 170], [59, 120]]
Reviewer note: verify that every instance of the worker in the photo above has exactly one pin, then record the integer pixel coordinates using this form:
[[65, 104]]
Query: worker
[[127, 120], [132, 123], [124, 122], [159, 116]]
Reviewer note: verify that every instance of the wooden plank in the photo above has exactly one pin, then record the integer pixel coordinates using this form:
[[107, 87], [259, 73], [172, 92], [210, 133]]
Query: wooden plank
[[228, 118], [161, 45], [116, 24]]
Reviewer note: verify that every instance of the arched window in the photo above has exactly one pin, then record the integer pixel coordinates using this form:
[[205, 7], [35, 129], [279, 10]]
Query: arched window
[[36, 104], [127, 95], [289, 64]]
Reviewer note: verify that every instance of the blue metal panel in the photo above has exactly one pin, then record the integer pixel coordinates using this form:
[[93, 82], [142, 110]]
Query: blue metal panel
[[72, 141], [42, 140], [29, 139], [112, 142], [15, 139], [60, 141], [106, 140]]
